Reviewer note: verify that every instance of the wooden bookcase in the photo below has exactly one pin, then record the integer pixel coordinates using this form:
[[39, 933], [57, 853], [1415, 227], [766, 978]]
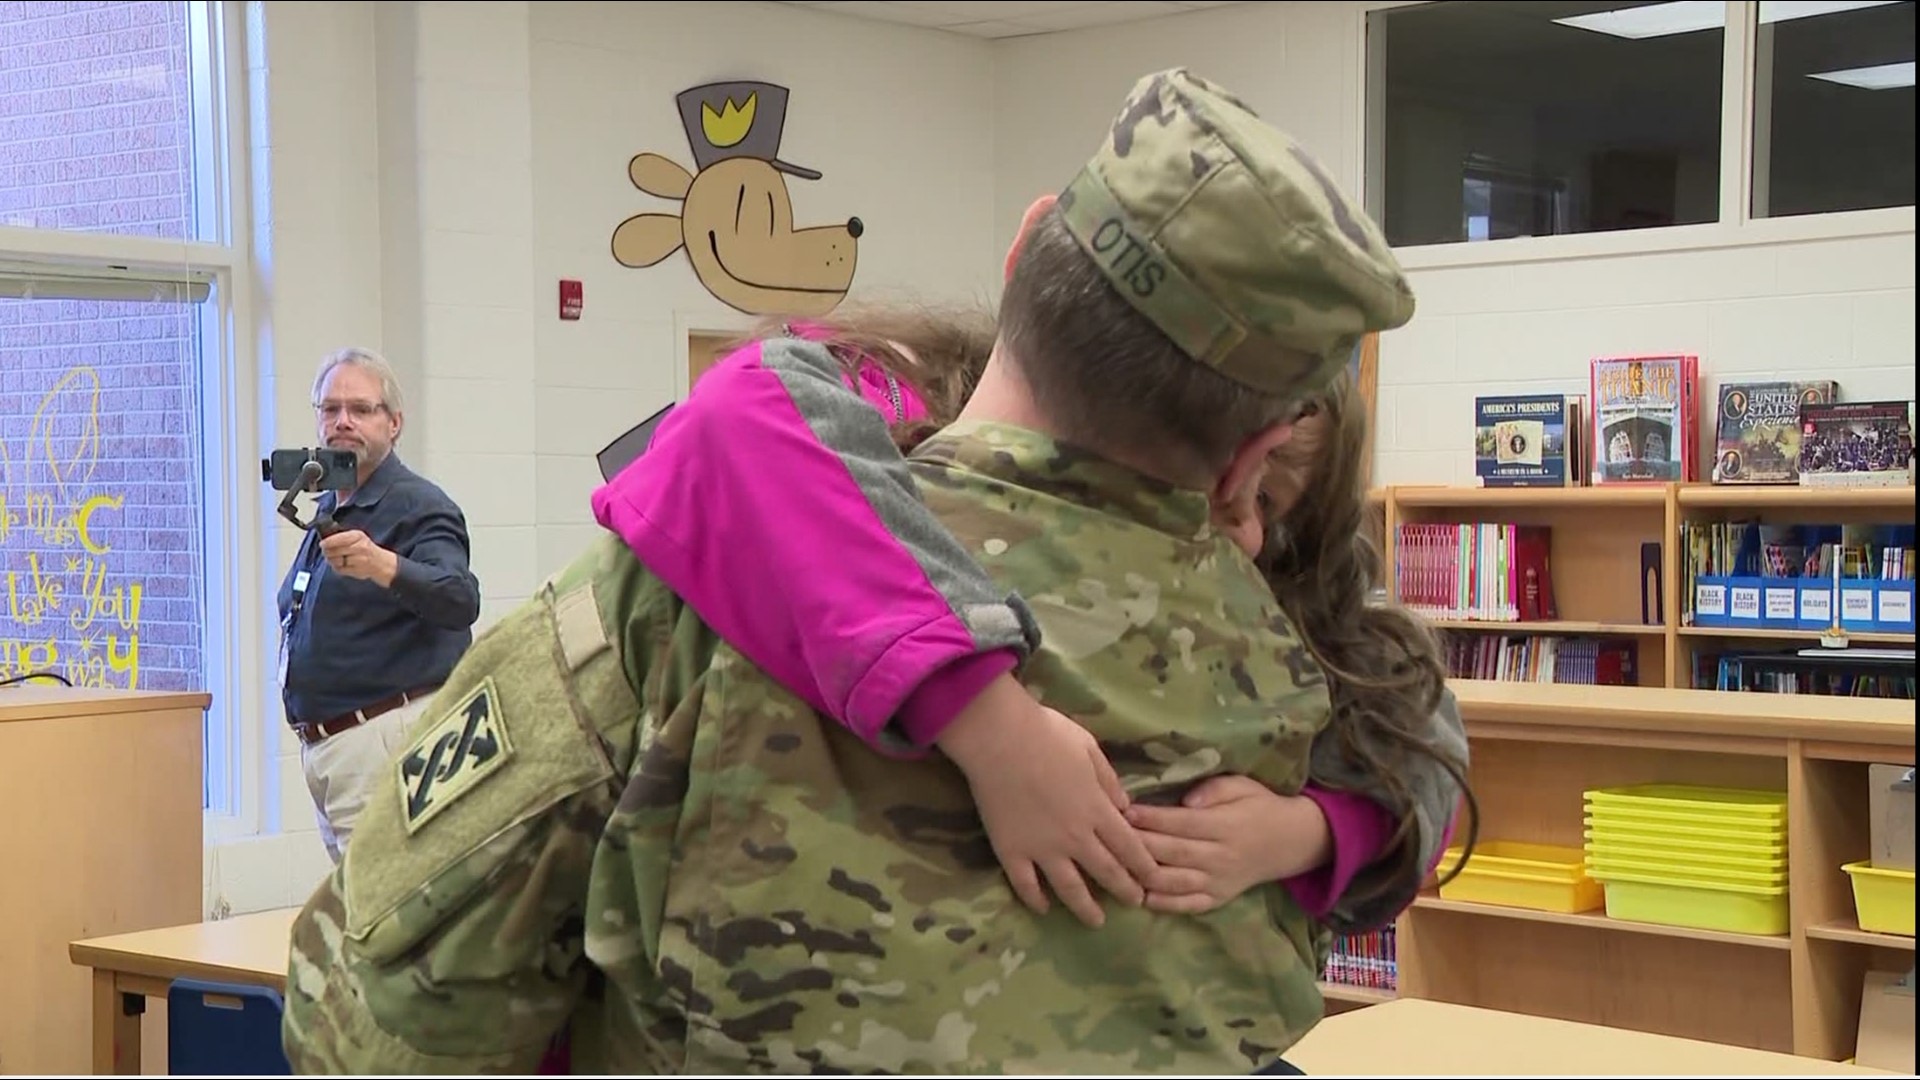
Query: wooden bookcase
[[1595, 558], [1537, 748]]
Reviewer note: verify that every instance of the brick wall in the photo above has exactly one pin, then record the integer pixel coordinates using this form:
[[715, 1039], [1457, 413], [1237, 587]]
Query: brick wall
[[100, 494]]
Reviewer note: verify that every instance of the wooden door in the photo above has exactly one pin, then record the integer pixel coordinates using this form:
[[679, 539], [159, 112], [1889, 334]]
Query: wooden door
[[703, 351], [1367, 383]]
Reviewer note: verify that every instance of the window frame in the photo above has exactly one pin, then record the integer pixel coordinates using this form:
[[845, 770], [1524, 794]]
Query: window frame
[[236, 754], [1737, 227]]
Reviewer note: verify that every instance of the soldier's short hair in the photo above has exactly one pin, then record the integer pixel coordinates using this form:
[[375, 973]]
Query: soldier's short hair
[[1106, 377]]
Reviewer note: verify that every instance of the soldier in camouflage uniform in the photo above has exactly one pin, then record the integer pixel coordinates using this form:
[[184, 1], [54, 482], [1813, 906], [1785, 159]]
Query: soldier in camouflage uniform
[[611, 822]]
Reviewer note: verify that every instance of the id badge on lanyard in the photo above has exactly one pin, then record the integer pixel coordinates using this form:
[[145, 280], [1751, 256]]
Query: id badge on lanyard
[[300, 582]]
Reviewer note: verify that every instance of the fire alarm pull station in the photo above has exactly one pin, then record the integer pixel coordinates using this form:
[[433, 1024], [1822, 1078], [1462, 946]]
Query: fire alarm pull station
[[570, 300]]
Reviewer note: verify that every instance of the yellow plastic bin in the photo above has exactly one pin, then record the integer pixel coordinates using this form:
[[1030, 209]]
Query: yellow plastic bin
[[1691, 826], [1732, 805], [1672, 901], [1543, 877], [1600, 865], [1761, 843], [1601, 848], [1696, 867], [1882, 898]]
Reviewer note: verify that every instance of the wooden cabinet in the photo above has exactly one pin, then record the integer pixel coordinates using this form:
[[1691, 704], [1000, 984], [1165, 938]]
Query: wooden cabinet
[[1536, 749], [100, 833]]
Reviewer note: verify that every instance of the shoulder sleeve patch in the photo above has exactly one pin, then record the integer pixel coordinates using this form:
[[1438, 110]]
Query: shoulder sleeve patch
[[453, 755]]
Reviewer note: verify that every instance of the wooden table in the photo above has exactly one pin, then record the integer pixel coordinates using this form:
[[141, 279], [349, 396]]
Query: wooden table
[[129, 968], [1411, 1037]]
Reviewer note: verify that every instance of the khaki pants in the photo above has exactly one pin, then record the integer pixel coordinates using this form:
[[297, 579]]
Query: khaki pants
[[341, 769]]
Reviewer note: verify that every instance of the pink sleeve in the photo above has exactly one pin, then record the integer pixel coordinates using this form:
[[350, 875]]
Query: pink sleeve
[[1361, 828], [774, 503]]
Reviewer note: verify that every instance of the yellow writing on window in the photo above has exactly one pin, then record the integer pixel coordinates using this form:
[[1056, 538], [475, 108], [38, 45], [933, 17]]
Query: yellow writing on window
[[69, 606]]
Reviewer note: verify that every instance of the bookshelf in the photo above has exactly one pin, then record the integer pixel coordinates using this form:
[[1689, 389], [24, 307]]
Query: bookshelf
[[1698, 503], [1595, 556], [1537, 748]]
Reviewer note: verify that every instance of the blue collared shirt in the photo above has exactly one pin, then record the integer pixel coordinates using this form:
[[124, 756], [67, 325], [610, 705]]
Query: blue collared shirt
[[352, 642]]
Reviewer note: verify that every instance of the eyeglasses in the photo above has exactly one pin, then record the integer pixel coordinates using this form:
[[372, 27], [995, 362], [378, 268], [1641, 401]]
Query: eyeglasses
[[359, 410]]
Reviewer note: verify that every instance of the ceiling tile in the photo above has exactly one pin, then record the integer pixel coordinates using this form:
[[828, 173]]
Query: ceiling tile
[[1007, 18], [889, 11], [1085, 15], [995, 10], [994, 29]]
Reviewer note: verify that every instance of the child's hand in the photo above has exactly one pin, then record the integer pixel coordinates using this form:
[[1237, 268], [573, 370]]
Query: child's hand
[[1228, 835], [1050, 801]]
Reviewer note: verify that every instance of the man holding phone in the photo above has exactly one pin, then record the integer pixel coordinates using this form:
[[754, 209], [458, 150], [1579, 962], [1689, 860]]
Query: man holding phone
[[375, 613]]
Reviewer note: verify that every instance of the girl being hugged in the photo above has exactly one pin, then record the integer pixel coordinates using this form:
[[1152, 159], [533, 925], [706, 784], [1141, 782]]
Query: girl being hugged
[[777, 502]]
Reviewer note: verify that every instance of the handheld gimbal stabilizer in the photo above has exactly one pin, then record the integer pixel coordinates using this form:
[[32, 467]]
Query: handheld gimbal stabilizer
[[295, 471]]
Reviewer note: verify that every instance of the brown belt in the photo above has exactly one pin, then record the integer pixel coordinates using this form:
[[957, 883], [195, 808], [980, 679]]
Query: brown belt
[[313, 733]]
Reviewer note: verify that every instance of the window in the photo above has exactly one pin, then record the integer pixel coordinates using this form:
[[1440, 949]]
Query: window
[[1833, 109], [97, 118], [101, 550], [1517, 119], [1499, 120], [116, 391]]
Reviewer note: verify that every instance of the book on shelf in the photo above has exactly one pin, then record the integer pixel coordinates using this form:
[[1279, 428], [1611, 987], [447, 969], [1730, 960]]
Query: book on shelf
[[1364, 960], [1821, 672], [1541, 658], [1645, 412], [1757, 430], [1857, 444], [1529, 440], [1486, 571], [1749, 575]]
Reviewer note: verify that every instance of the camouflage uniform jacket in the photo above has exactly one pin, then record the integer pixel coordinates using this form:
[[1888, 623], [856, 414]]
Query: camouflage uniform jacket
[[611, 819], [860, 600]]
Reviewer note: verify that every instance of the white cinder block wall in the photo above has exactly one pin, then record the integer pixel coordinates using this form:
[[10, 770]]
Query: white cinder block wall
[[460, 105], [1839, 308], [897, 120], [315, 247], [428, 171]]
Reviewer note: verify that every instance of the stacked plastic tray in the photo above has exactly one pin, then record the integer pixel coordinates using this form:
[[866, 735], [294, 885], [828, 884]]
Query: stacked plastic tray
[[1544, 877], [1702, 857]]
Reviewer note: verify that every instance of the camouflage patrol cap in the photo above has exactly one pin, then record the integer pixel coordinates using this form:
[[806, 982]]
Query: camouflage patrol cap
[[1232, 239]]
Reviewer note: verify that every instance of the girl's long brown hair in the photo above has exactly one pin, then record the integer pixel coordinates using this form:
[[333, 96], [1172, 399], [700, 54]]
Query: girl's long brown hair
[[949, 348], [1383, 665]]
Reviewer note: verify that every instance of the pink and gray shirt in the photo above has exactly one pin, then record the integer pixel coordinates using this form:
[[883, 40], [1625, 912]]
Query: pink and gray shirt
[[775, 503]]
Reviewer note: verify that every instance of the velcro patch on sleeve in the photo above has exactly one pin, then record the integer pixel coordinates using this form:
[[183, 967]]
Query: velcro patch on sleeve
[[583, 635]]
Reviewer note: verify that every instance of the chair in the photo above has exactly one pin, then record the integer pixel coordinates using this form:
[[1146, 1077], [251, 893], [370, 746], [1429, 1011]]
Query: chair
[[224, 1029]]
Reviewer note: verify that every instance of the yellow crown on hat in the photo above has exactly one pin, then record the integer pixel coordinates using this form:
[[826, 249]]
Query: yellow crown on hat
[[731, 123]]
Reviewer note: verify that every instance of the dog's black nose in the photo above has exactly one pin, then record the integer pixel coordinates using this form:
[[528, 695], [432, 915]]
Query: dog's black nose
[[855, 227]]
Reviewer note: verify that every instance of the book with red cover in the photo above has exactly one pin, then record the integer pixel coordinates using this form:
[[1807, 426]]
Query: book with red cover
[[1644, 411]]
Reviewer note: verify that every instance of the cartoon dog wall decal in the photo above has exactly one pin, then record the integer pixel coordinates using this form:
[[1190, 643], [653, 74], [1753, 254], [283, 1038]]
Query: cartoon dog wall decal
[[736, 218]]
